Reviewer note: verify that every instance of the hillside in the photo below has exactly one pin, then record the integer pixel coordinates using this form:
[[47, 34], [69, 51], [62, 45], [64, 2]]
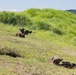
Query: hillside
[[58, 22], [72, 11], [53, 35]]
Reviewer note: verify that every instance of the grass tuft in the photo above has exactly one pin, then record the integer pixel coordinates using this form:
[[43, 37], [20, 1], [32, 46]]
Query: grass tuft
[[10, 52]]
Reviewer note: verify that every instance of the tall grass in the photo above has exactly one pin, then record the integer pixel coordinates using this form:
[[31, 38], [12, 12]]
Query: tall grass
[[34, 52], [58, 22]]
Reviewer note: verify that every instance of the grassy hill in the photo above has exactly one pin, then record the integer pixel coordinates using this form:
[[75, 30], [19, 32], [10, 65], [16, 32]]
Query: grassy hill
[[54, 35]]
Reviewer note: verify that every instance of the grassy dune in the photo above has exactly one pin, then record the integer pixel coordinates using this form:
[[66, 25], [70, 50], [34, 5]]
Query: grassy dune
[[34, 52]]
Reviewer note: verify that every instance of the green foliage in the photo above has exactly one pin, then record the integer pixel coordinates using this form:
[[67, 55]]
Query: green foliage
[[55, 34], [9, 52], [32, 12], [34, 52], [57, 31], [41, 24], [58, 21], [13, 18]]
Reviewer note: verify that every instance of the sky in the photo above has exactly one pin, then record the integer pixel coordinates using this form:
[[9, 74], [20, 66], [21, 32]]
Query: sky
[[21, 5]]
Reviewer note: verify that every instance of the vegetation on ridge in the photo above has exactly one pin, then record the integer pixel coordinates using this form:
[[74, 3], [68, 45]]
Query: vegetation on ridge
[[56, 21], [54, 35]]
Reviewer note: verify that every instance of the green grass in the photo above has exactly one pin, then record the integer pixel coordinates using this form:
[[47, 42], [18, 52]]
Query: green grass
[[53, 35], [36, 50]]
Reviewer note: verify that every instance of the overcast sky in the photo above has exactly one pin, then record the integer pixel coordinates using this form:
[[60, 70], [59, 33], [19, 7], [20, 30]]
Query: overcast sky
[[20, 5]]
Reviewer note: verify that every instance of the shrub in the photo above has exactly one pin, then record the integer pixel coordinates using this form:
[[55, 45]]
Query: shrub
[[44, 26], [13, 18], [39, 23], [58, 31], [9, 52]]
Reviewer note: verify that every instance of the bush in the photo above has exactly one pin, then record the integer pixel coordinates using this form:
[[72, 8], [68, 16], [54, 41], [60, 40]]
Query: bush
[[44, 26], [9, 52], [13, 18], [58, 31], [39, 23]]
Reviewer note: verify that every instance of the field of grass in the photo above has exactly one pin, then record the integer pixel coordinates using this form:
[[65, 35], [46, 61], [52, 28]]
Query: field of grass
[[35, 52], [53, 35]]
